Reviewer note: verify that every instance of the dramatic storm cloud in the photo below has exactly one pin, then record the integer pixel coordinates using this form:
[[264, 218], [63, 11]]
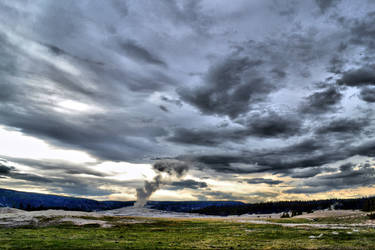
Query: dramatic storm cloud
[[117, 99]]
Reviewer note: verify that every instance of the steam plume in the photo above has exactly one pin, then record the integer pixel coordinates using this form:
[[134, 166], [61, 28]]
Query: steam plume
[[171, 168]]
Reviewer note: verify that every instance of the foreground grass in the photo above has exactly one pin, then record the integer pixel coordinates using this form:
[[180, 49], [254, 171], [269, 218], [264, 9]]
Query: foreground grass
[[183, 234]]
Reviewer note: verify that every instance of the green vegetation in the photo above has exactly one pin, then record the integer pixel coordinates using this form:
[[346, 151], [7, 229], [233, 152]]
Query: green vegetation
[[183, 234]]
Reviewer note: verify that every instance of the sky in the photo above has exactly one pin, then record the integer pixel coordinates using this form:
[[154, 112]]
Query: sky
[[260, 100]]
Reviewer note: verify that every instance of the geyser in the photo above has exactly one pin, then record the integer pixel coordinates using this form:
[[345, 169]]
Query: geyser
[[172, 168]]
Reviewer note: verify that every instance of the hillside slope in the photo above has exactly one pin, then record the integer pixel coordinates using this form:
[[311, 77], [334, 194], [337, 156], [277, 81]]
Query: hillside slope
[[35, 201]]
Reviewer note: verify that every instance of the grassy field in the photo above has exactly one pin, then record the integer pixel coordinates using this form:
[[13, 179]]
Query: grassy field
[[183, 234]]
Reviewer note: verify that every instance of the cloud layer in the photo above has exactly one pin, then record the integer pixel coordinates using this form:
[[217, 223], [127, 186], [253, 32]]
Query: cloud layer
[[243, 91]]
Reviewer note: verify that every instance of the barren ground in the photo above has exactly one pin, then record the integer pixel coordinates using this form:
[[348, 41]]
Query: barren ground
[[333, 219]]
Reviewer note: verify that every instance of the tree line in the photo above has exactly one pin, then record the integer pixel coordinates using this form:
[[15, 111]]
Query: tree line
[[293, 207]]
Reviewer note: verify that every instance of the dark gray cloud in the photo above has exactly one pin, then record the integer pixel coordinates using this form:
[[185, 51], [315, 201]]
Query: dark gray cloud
[[137, 52], [230, 87], [121, 7], [192, 184], [337, 62], [60, 52], [57, 166], [67, 182], [306, 190], [347, 177], [164, 108], [90, 133], [361, 30], [322, 101], [309, 172], [30, 178], [4, 170], [254, 197], [13, 173], [263, 180], [265, 125], [359, 77], [345, 125], [324, 5], [204, 137], [306, 154], [368, 94], [171, 100], [272, 124], [218, 195], [8, 92]]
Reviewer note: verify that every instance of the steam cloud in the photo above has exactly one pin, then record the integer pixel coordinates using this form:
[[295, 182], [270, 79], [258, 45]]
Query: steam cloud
[[171, 168]]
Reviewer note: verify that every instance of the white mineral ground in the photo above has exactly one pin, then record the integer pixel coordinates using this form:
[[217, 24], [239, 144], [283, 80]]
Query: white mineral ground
[[10, 217]]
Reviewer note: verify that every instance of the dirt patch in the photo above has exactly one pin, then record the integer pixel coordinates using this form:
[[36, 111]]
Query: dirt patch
[[18, 218], [130, 215], [331, 213], [84, 222]]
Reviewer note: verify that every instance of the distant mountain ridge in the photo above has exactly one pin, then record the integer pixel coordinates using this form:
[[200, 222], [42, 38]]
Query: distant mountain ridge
[[36, 201]]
